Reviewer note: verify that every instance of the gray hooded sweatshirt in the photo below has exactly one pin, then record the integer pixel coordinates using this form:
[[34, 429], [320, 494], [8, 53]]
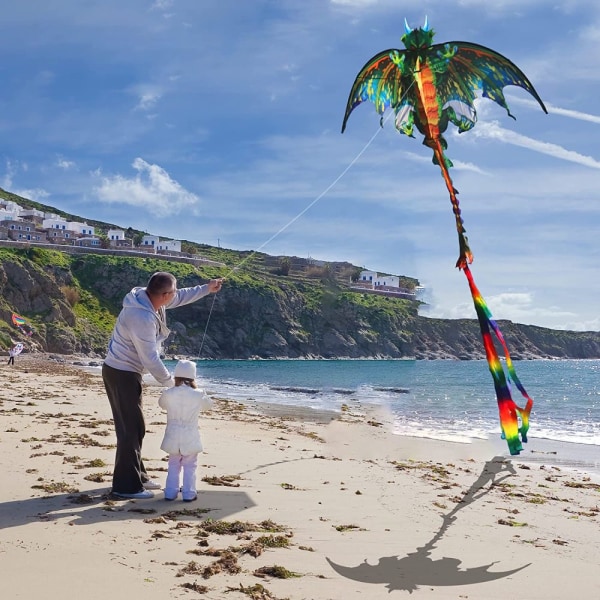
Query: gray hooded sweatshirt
[[136, 341]]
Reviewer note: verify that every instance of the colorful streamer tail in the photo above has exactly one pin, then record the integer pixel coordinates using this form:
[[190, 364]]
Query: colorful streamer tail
[[510, 413]]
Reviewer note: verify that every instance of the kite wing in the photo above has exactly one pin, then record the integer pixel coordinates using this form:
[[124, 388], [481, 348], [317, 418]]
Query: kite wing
[[383, 80], [461, 69]]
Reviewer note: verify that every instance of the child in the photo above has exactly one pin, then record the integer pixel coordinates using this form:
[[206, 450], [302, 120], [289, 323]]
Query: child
[[183, 403]]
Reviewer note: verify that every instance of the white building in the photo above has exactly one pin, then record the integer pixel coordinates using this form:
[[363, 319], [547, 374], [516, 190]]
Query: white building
[[377, 280], [169, 245], [368, 276], [9, 214], [81, 228], [387, 280], [9, 206], [117, 239], [115, 235], [55, 222], [151, 241]]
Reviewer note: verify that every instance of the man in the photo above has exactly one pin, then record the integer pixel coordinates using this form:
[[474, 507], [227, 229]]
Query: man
[[134, 349]]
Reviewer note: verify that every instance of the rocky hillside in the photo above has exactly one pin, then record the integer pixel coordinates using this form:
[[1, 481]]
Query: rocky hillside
[[71, 303]]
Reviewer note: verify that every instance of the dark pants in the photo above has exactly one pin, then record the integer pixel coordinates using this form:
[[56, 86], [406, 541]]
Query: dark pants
[[11, 360], [124, 391]]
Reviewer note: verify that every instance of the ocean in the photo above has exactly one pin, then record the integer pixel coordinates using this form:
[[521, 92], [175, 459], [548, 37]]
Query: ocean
[[439, 399]]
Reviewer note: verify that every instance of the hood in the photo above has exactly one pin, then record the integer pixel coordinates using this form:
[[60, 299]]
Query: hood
[[138, 299]]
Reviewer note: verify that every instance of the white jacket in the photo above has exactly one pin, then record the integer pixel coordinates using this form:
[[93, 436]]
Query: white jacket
[[183, 405]]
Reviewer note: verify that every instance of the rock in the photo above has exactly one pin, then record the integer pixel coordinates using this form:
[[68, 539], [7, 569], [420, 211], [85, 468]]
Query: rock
[[254, 316]]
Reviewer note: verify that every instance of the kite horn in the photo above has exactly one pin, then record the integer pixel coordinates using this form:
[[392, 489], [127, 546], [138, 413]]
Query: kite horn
[[426, 26], [407, 28]]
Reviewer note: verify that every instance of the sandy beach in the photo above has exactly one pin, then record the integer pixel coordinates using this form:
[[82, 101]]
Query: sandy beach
[[291, 504]]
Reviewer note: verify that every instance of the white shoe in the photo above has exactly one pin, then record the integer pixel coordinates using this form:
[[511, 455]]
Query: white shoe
[[141, 495], [151, 485]]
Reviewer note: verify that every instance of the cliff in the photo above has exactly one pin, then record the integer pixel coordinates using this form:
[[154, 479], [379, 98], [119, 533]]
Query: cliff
[[71, 303]]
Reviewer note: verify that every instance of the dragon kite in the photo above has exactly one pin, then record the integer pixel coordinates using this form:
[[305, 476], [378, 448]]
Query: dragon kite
[[428, 86]]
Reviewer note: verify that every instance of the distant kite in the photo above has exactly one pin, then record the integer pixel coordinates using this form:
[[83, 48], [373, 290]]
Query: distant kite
[[18, 321], [428, 86], [22, 325]]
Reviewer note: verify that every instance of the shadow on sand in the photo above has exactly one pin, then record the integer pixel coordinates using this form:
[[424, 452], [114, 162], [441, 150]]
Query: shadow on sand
[[418, 568], [95, 506]]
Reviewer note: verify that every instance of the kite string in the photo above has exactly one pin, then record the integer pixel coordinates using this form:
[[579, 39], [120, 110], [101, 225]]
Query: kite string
[[307, 208], [206, 326], [289, 223], [321, 195]]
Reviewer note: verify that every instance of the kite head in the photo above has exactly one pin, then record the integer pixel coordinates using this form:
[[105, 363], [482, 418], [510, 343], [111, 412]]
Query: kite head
[[422, 37]]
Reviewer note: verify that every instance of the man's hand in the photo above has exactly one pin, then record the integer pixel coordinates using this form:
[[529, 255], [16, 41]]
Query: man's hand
[[214, 285]]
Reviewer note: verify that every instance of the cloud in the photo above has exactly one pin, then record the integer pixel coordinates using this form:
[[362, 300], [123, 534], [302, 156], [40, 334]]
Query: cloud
[[37, 194], [148, 95], [7, 180], [516, 307], [161, 4], [64, 164], [152, 188], [13, 168], [494, 131]]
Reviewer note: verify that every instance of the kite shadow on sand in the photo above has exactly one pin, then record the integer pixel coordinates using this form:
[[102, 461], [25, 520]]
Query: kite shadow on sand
[[418, 568]]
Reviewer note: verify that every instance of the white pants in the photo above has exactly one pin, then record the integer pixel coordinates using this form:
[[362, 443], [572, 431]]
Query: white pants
[[177, 464]]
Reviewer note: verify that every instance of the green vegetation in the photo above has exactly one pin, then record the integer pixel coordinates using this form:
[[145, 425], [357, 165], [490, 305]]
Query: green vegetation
[[83, 293], [271, 307]]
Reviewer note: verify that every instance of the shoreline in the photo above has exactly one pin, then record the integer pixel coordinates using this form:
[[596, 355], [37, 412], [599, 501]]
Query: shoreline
[[93, 357], [574, 455]]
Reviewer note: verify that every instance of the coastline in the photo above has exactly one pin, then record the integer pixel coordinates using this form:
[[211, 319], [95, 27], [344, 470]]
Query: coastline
[[365, 512]]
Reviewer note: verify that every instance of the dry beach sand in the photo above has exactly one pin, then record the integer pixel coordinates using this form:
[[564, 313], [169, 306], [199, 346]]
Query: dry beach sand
[[293, 505]]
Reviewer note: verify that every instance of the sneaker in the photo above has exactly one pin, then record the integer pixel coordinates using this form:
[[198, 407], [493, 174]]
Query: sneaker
[[190, 499], [141, 495], [151, 485], [171, 494]]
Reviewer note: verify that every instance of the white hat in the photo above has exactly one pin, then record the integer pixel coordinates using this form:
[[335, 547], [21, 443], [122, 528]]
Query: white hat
[[185, 369]]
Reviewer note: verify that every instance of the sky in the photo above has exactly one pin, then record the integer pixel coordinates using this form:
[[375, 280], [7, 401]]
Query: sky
[[219, 122]]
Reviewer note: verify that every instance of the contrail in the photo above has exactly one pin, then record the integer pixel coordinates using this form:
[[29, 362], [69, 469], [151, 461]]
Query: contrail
[[494, 131], [556, 110]]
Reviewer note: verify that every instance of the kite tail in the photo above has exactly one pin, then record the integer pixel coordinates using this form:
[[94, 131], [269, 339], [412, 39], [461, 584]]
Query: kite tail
[[465, 256], [510, 413]]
